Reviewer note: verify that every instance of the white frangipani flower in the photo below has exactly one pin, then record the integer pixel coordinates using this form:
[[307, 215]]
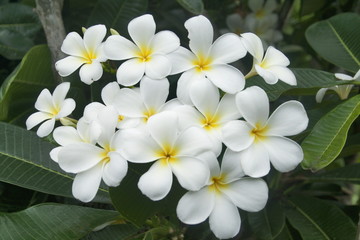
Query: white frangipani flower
[[342, 90], [226, 190], [272, 66], [209, 112], [147, 56], [262, 12], [91, 163], [259, 140], [87, 53], [51, 108], [207, 61], [173, 151]]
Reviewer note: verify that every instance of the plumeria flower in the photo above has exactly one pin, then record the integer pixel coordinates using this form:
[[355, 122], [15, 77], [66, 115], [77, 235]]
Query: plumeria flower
[[207, 61], [209, 112], [173, 151], [139, 104], [262, 12], [51, 108], [260, 139], [272, 66], [85, 53], [91, 163], [147, 56], [342, 90], [226, 190]]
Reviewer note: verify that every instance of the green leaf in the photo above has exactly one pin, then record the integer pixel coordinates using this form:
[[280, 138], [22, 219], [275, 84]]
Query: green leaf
[[327, 138], [308, 79], [120, 232], [18, 26], [269, 222], [193, 6], [25, 162], [349, 173], [317, 219], [53, 221], [337, 40], [117, 14], [21, 88]]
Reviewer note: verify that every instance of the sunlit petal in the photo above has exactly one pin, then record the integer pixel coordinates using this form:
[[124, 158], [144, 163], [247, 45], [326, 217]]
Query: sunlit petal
[[59, 93], [66, 135], [46, 128], [184, 83], [158, 67], [201, 34], [193, 141], [255, 160], [163, 128], [117, 47], [205, 96], [68, 65], [36, 118], [44, 101], [253, 45], [181, 60], [154, 92], [227, 49], [109, 93], [73, 45], [93, 37], [165, 42], [115, 170], [67, 108], [142, 29], [130, 103], [284, 74], [91, 72], [130, 72]]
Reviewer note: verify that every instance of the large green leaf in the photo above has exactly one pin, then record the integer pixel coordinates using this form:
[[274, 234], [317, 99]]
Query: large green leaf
[[22, 86], [349, 173], [193, 6], [308, 81], [18, 25], [119, 232], [327, 138], [52, 221], [317, 219], [337, 40], [117, 14], [25, 162]]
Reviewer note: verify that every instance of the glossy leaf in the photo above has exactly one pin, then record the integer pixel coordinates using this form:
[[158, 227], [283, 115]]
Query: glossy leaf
[[308, 82], [119, 231], [117, 14], [53, 221], [316, 219], [337, 40], [327, 138], [18, 25], [21, 88], [193, 6], [349, 173], [25, 162]]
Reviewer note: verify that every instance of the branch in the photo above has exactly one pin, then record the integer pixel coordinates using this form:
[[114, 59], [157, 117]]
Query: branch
[[49, 12]]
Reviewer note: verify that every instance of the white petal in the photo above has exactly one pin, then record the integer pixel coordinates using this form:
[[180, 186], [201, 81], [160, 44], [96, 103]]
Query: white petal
[[86, 184], [46, 128], [205, 96], [130, 103], [163, 127], [79, 157], [227, 49], [248, 194], [253, 45], [227, 109], [284, 153], [142, 30], [73, 45], [154, 92], [130, 72], [117, 47], [107, 119], [210, 159], [93, 37], [66, 135], [200, 34], [92, 110], [181, 60], [344, 77], [60, 92], [274, 57], [156, 182], [320, 94], [195, 207], [88, 132], [255, 160], [158, 67], [226, 77], [288, 119], [231, 168], [115, 170], [284, 74], [109, 93], [36, 118], [184, 84], [268, 76], [134, 140], [224, 220], [67, 108], [191, 173], [253, 105], [68, 65], [91, 72], [193, 141], [54, 153], [165, 42], [44, 101], [236, 135]]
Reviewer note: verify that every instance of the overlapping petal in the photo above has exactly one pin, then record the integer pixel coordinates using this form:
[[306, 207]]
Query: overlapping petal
[[117, 47], [193, 141], [142, 29], [158, 67], [93, 37], [227, 48], [205, 96], [36, 118], [201, 34], [154, 92], [236, 135], [91, 72], [255, 160], [46, 127], [130, 72], [165, 42], [115, 170], [67, 107], [68, 65], [73, 45], [253, 45], [181, 60]]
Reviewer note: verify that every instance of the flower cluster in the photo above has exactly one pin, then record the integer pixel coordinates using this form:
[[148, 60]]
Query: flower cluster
[[182, 137]]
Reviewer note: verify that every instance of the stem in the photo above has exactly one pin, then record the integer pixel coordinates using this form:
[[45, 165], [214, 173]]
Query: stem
[[49, 12]]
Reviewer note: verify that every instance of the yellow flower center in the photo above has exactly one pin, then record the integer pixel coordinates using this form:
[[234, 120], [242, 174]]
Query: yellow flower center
[[167, 154], [259, 132], [260, 13], [89, 56], [104, 154], [217, 184], [144, 54], [148, 113], [210, 122], [120, 118], [202, 63]]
